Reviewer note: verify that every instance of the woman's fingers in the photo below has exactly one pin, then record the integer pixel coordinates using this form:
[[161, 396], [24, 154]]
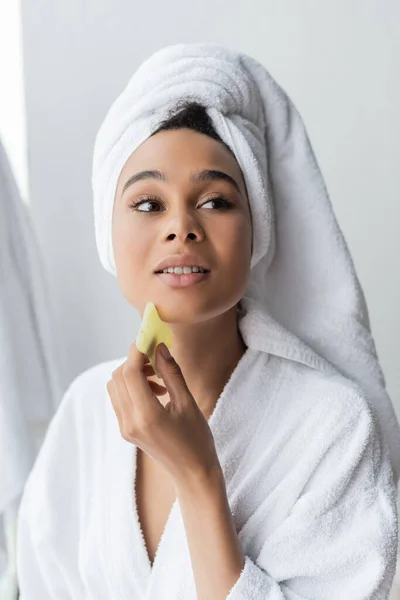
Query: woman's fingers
[[148, 370], [157, 389]]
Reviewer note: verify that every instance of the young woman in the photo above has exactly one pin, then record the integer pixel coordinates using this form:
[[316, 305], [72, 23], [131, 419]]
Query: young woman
[[262, 464]]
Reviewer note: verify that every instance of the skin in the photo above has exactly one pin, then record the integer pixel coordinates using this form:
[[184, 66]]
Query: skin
[[207, 342], [179, 439], [169, 421]]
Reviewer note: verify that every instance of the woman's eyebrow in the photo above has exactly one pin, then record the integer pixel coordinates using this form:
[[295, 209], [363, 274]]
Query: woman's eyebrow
[[198, 176]]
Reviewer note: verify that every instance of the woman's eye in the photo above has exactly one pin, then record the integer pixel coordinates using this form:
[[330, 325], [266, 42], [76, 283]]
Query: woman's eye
[[219, 200], [136, 205]]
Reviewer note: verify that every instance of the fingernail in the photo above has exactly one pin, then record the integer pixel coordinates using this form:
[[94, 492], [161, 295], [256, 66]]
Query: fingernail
[[164, 351]]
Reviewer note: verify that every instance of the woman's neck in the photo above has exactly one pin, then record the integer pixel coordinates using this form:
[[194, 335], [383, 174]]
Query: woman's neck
[[207, 354]]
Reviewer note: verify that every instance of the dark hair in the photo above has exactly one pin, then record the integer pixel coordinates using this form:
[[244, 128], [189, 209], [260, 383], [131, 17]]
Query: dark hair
[[193, 115]]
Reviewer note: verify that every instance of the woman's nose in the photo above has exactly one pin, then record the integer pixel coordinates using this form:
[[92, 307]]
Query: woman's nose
[[183, 226], [191, 236]]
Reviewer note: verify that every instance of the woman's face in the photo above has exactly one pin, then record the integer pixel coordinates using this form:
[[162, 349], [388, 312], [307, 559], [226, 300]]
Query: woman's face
[[181, 217]]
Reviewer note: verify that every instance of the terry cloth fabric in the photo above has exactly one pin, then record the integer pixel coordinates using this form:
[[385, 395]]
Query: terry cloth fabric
[[302, 273], [308, 480], [30, 388]]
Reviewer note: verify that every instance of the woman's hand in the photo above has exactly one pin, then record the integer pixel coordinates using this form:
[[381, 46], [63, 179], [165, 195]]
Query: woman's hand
[[177, 436]]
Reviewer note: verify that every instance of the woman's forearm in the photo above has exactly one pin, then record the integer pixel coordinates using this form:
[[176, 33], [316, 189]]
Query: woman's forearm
[[215, 549]]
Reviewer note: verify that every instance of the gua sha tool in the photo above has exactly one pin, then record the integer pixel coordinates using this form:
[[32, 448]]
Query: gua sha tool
[[152, 332]]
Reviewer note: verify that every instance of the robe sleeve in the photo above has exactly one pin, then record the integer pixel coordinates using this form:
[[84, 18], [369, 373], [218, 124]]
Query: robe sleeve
[[48, 517], [340, 539]]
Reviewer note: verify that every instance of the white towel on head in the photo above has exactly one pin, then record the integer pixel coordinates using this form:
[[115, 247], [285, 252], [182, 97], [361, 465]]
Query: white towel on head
[[303, 278]]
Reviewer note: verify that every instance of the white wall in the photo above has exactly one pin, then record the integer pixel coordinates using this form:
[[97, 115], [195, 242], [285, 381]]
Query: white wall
[[338, 61], [12, 101]]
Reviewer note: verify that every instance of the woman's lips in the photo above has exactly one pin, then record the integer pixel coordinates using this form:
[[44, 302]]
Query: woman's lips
[[183, 280]]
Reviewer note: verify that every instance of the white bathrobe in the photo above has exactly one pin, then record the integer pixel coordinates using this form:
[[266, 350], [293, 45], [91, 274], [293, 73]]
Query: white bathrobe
[[308, 479]]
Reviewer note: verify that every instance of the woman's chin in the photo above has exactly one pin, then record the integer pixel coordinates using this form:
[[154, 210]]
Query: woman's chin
[[180, 314]]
